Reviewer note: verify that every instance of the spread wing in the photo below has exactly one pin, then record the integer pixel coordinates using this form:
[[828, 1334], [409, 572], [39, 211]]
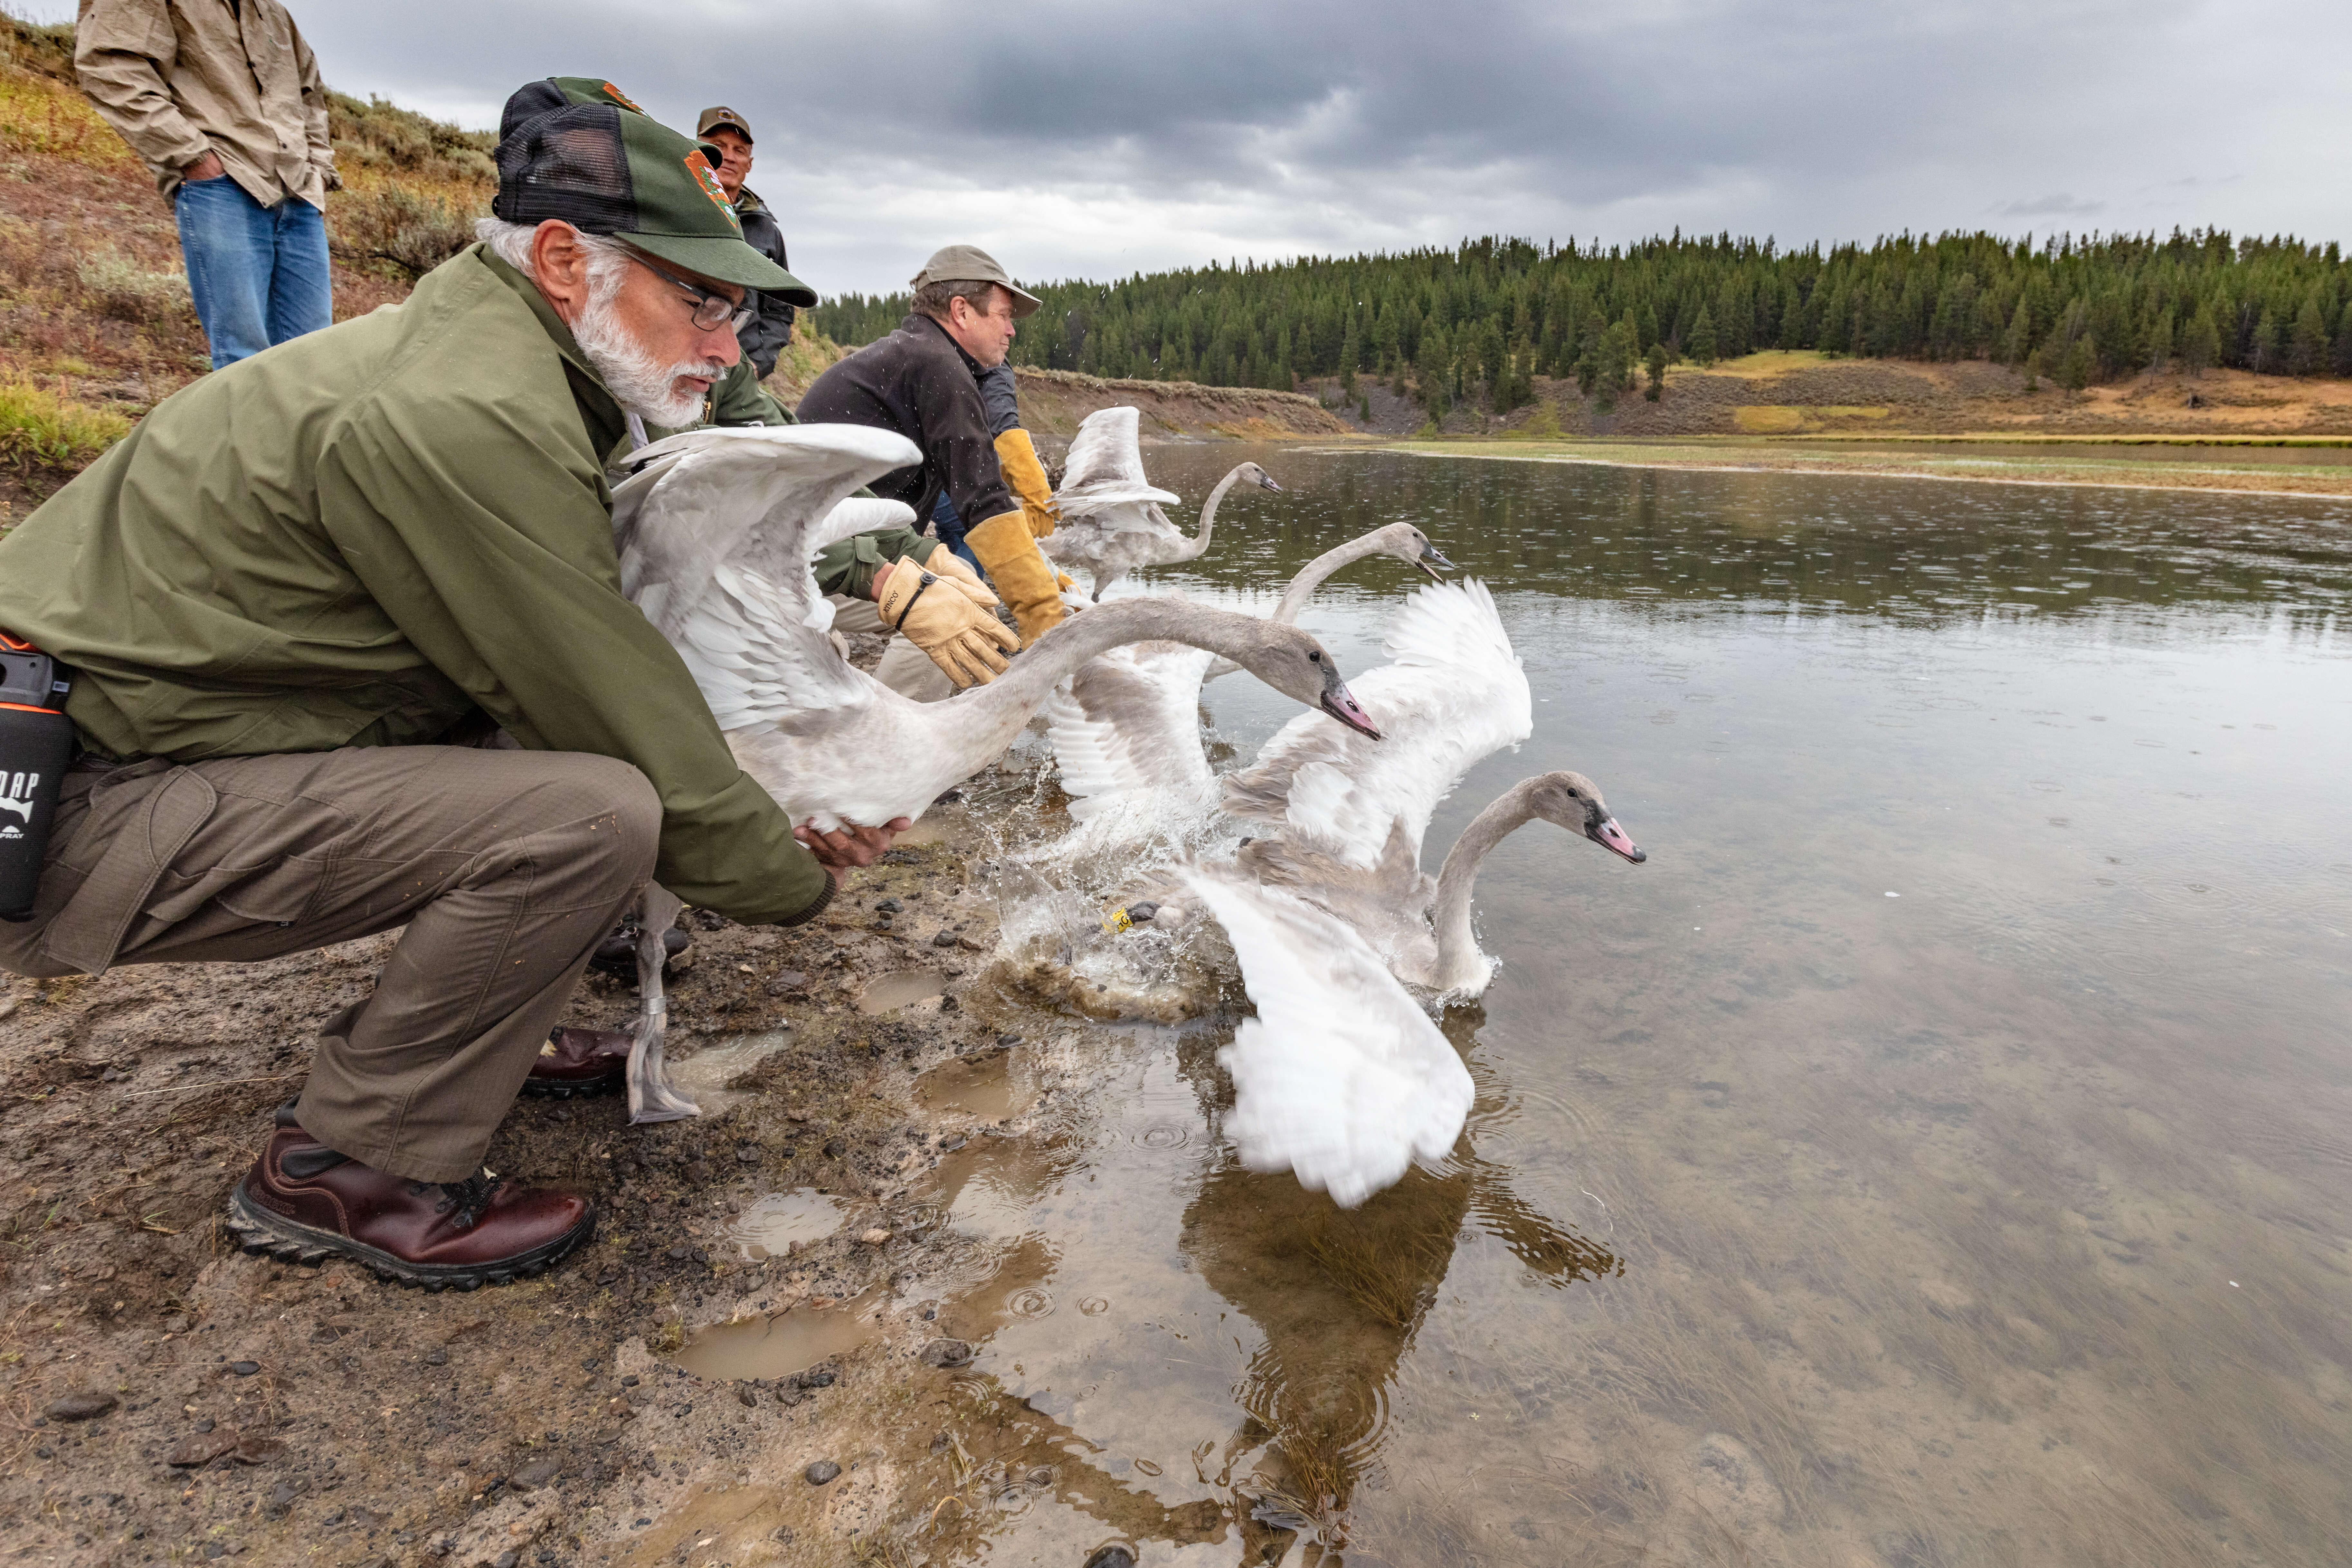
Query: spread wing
[[1105, 468], [1126, 732], [716, 529], [1340, 1079], [1455, 693], [759, 493], [750, 646], [1124, 517]]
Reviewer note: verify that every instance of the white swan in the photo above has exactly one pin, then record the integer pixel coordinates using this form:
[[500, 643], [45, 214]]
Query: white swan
[[1421, 928], [1347, 822], [1111, 521], [828, 741], [715, 531], [1126, 731], [1341, 1077]]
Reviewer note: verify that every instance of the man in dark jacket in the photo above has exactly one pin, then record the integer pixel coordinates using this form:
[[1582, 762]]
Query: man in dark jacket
[[771, 327], [923, 381]]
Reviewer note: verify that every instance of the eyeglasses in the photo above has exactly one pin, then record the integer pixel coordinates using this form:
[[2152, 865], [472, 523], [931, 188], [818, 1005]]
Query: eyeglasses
[[712, 310]]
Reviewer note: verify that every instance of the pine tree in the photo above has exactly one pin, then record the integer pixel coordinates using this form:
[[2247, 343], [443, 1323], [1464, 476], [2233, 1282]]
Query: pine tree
[[1432, 372], [2019, 343], [2306, 347], [2082, 361], [1351, 349], [2270, 343], [2201, 341], [1794, 331], [1614, 360], [2159, 341], [1655, 363], [1701, 347], [2344, 344]]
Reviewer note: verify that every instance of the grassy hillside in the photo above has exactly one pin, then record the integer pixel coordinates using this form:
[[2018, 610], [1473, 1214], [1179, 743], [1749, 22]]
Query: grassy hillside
[[95, 325]]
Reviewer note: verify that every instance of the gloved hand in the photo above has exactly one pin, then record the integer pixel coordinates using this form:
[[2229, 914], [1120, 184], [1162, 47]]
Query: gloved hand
[[1064, 581], [954, 570], [1009, 551], [1016, 458], [963, 638]]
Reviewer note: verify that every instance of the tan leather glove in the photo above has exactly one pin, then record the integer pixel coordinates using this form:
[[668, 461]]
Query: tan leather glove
[[963, 638], [957, 573], [1009, 551], [1016, 458]]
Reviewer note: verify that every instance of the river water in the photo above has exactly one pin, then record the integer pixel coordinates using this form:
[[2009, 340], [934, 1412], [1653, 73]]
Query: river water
[[1940, 1152]]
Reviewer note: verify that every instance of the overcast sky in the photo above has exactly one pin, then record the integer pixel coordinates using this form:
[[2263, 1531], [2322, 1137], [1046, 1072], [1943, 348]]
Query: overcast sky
[[1098, 139]]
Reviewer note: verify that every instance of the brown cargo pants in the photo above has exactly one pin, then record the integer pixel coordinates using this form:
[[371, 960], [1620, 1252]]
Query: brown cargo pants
[[506, 868]]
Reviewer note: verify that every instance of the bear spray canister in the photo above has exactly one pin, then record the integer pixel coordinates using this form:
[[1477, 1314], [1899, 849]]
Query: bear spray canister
[[37, 745]]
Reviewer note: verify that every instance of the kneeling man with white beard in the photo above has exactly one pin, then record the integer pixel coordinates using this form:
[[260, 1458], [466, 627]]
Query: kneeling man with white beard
[[300, 591]]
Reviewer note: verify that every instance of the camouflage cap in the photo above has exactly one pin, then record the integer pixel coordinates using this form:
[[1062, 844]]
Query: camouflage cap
[[970, 264], [576, 149]]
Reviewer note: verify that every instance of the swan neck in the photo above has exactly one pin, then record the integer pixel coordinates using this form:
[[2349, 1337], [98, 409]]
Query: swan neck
[[1209, 515], [1457, 944], [1312, 576], [1091, 633]]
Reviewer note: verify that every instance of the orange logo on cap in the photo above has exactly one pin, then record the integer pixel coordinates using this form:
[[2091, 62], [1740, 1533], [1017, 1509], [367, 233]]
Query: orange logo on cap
[[699, 167], [623, 98]]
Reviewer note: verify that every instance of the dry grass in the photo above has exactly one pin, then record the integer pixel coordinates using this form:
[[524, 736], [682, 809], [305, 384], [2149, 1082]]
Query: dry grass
[[50, 119], [404, 229], [120, 287], [96, 324], [41, 432], [809, 355]]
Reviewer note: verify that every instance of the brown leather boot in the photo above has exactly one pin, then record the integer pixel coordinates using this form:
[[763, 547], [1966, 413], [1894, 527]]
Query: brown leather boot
[[575, 1063], [303, 1202]]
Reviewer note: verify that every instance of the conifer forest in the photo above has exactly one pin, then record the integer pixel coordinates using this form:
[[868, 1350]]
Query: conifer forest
[[1480, 322]]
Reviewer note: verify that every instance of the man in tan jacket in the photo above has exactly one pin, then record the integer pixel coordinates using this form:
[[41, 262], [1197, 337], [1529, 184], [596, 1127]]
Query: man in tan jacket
[[222, 99]]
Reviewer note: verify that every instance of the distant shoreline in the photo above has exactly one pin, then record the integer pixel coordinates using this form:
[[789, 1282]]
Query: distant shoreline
[[2321, 479]]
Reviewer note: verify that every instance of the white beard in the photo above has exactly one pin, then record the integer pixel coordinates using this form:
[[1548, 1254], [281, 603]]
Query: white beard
[[639, 384]]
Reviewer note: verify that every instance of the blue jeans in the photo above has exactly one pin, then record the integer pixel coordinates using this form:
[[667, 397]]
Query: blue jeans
[[258, 274], [948, 529]]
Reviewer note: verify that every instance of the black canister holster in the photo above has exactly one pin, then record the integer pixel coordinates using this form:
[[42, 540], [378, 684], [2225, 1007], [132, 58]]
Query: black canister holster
[[37, 746]]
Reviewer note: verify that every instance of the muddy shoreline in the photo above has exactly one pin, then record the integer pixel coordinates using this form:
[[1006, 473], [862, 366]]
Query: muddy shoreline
[[248, 1409]]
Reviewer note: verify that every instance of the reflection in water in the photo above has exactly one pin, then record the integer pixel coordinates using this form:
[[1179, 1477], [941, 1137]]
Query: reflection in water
[[771, 1224], [779, 1344], [2000, 1222], [1898, 547], [1339, 1293], [887, 993], [982, 1089]]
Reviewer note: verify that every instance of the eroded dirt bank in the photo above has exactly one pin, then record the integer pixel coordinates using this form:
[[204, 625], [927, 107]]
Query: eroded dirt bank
[[170, 1399], [1053, 402]]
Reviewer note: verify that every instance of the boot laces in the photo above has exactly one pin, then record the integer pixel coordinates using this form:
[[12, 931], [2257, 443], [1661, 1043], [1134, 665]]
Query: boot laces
[[467, 1198]]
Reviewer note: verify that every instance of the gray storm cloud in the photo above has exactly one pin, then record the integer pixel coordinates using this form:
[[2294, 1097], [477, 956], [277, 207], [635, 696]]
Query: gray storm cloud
[[1104, 139]]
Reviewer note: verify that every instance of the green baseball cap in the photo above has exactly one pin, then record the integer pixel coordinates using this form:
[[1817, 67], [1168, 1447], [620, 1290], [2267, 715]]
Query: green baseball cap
[[607, 169]]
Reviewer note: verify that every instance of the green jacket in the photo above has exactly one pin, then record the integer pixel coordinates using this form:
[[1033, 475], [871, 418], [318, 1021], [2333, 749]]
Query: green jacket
[[361, 536]]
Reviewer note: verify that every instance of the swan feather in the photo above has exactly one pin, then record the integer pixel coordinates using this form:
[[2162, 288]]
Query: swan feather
[[1454, 694], [1341, 1079]]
